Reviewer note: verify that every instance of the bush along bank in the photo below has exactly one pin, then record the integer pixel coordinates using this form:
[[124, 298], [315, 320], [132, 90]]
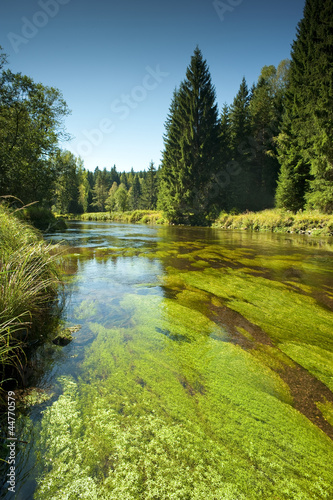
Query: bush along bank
[[279, 221], [135, 216], [29, 283], [42, 218]]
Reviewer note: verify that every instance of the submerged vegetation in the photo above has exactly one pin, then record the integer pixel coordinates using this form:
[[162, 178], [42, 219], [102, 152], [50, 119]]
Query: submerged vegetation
[[197, 381], [29, 280]]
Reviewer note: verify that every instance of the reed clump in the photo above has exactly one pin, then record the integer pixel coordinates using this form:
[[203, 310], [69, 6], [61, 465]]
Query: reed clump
[[29, 281]]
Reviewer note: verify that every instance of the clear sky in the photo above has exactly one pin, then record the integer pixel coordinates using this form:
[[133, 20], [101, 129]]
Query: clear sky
[[118, 62]]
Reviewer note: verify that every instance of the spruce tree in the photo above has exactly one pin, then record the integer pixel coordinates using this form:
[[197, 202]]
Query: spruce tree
[[190, 158], [149, 192], [240, 167], [135, 193], [320, 193], [223, 177], [305, 142], [100, 191], [168, 198]]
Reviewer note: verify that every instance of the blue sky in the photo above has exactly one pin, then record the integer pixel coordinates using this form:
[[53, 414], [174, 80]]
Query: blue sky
[[118, 62]]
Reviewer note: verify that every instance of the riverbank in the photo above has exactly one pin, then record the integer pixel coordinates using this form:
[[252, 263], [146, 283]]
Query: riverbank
[[279, 221], [134, 216], [274, 220], [29, 283]]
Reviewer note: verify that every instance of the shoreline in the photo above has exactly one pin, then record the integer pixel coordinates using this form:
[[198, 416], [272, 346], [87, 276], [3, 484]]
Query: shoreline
[[274, 220], [279, 221]]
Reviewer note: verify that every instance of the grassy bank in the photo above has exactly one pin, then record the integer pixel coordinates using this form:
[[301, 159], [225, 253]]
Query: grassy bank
[[275, 220], [28, 285], [135, 216]]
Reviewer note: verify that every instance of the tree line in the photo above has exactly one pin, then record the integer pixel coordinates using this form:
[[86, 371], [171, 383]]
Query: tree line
[[34, 166], [271, 147], [78, 190]]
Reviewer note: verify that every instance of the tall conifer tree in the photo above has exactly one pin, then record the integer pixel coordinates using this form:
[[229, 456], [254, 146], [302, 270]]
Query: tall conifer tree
[[223, 176], [190, 158], [305, 142], [320, 194], [240, 178], [149, 192]]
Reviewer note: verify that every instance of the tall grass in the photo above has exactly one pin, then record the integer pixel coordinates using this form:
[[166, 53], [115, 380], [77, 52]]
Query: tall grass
[[275, 220], [134, 216], [28, 284]]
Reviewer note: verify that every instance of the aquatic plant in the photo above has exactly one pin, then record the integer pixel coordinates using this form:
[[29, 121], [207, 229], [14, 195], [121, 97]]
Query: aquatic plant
[[29, 280], [212, 420], [200, 381]]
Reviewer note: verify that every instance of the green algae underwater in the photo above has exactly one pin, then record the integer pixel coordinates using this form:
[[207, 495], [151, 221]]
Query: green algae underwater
[[202, 370]]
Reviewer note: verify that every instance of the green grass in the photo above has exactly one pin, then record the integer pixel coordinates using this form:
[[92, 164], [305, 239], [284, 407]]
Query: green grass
[[274, 220], [310, 222], [28, 283], [135, 216], [42, 218]]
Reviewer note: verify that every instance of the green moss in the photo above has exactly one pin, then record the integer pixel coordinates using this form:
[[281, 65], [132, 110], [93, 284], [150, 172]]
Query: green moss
[[168, 405], [327, 410], [316, 360], [211, 421]]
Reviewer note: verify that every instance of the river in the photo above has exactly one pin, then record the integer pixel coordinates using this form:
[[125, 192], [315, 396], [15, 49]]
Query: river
[[201, 369]]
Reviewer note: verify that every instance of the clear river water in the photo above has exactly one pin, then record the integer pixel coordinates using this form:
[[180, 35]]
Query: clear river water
[[201, 368]]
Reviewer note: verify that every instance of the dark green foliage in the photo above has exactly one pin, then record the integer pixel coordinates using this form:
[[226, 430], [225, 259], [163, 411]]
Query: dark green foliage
[[42, 218], [266, 114], [135, 193], [67, 183], [320, 194], [240, 165], [168, 194], [222, 177], [149, 194], [83, 183], [305, 143], [30, 127], [124, 180], [100, 191], [293, 175], [190, 158]]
